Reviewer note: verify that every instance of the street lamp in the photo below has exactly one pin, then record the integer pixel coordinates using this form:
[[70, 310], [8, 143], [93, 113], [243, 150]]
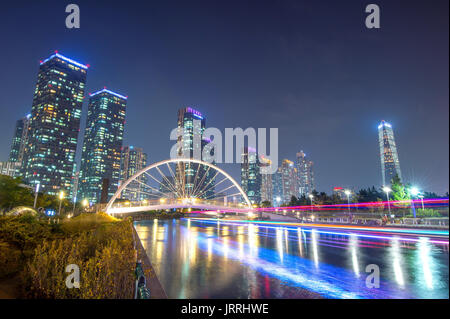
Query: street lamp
[[61, 197], [348, 193], [414, 191], [387, 190], [421, 199], [311, 196], [85, 203], [38, 185], [74, 202]]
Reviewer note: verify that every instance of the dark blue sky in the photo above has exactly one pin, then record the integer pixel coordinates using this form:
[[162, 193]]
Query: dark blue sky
[[310, 68]]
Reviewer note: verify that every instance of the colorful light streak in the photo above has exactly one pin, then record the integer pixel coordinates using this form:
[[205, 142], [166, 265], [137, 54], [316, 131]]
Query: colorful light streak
[[309, 274], [366, 231]]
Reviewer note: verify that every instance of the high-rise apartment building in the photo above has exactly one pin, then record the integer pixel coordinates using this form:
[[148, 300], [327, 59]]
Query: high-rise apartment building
[[390, 164], [288, 180], [250, 175], [132, 161], [191, 123], [20, 139], [277, 187], [49, 153], [266, 181], [102, 145], [305, 175]]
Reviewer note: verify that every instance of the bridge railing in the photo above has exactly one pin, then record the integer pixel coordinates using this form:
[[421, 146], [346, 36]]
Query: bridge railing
[[177, 202]]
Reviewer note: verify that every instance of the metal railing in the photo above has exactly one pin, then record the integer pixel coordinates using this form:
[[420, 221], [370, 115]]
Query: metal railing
[[141, 290]]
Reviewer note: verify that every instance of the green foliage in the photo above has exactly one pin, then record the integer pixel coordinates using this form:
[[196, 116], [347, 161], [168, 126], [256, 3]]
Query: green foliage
[[266, 203], [421, 213], [370, 195], [12, 194], [399, 191], [104, 253], [100, 245], [10, 259]]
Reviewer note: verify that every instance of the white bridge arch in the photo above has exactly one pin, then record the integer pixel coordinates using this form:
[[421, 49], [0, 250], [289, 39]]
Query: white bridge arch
[[179, 183]]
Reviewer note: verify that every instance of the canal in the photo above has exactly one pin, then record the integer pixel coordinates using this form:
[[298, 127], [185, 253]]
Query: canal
[[219, 259]]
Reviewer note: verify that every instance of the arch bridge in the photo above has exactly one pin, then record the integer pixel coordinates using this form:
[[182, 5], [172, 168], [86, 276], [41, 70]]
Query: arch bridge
[[177, 184]]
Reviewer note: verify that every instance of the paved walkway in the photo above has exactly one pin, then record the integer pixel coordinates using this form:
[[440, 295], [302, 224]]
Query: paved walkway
[[156, 289]]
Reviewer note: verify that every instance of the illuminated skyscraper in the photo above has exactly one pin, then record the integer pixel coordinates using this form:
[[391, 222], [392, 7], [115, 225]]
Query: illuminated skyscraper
[[49, 155], [390, 165], [192, 125], [305, 175], [133, 160], [288, 180], [19, 143], [277, 187], [100, 159], [250, 175], [266, 182]]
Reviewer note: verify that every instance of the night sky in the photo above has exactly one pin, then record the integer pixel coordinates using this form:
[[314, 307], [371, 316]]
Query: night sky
[[310, 68]]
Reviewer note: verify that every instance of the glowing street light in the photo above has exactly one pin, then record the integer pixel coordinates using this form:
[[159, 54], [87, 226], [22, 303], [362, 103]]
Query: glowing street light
[[348, 193], [61, 197], [413, 191], [36, 194], [85, 203], [278, 199], [387, 190], [311, 197]]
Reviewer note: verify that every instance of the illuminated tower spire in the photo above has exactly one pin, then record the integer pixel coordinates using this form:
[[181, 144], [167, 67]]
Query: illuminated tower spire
[[390, 165]]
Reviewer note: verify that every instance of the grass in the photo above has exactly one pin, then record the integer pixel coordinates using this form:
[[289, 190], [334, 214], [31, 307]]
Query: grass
[[39, 252]]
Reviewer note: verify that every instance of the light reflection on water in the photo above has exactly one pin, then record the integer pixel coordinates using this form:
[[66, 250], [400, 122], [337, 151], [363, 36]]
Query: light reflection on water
[[196, 259]]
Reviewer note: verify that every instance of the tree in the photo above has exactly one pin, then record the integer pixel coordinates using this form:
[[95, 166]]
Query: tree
[[13, 194], [399, 191], [266, 203]]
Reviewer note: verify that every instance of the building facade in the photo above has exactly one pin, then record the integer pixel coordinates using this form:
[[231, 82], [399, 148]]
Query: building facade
[[277, 187], [19, 142], [102, 145], [191, 124], [305, 175], [390, 164], [250, 175], [9, 168], [266, 182], [54, 124], [288, 180], [134, 159]]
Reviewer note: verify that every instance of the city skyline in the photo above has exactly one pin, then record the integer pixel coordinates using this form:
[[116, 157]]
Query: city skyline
[[345, 151]]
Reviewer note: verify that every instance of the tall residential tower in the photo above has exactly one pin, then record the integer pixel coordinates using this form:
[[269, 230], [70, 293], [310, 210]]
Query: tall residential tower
[[102, 145], [305, 174], [132, 161], [191, 124], [54, 124], [250, 175]]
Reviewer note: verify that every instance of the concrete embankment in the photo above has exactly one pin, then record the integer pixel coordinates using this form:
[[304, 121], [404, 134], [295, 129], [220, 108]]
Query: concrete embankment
[[156, 289]]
